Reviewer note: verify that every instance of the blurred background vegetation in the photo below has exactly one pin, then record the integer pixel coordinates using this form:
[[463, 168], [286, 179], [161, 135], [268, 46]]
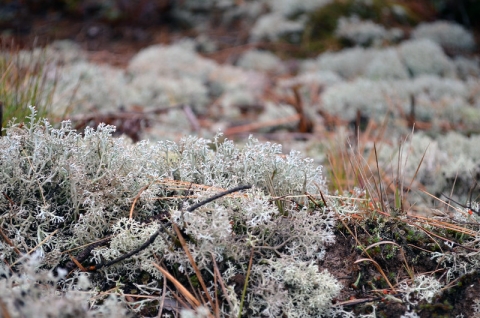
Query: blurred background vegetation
[[25, 24]]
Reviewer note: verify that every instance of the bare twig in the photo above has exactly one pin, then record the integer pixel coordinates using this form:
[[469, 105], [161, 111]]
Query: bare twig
[[127, 255], [305, 125], [219, 195]]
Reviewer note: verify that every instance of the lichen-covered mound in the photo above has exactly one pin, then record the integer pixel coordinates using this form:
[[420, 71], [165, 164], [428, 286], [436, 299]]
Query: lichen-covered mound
[[63, 191]]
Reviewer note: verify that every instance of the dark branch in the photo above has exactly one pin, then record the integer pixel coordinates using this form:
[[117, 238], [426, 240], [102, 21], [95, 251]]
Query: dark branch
[[154, 235], [221, 194], [125, 256]]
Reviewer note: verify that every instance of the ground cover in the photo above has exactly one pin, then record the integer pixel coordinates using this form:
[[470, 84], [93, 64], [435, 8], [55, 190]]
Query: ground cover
[[381, 222]]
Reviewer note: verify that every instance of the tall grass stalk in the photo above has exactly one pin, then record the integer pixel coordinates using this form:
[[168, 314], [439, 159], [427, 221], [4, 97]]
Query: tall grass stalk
[[26, 78]]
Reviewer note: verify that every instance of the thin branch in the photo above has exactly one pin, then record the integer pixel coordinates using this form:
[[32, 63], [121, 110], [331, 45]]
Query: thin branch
[[213, 198], [127, 255]]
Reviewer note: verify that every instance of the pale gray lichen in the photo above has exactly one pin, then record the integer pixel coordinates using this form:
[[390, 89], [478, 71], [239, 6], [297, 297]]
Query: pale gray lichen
[[272, 26], [293, 7], [34, 292], [422, 288], [449, 35], [291, 288], [262, 61], [424, 56], [365, 33], [386, 65], [63, 190], [467, 67], [435, 98], [348, 63]]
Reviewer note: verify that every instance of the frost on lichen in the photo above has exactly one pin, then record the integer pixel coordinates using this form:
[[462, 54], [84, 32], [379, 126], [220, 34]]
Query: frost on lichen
[[62, 191]]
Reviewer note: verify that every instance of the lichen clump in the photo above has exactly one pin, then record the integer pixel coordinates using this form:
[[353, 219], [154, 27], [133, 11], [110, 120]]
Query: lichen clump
[[62, 191]]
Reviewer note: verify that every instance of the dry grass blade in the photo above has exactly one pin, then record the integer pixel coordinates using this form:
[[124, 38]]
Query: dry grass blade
[[175, 185], [353, 302], [216, 309], [444, 239], [379, 268], [137, 197], [194, 265], [359, 244], [7, 240], [220, 281], [87, 245], [27, 78], [418, 168], [334, 172], [244, 292], [379, 188], [38, 245], [360, 174], [79, 265], [440, 200], [445, 225], [162, 300], [188, 296], [177, 297], [195, 292], [409, 270]]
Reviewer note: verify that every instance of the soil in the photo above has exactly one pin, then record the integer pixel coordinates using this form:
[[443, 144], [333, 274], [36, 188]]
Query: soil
[[364, 285]]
